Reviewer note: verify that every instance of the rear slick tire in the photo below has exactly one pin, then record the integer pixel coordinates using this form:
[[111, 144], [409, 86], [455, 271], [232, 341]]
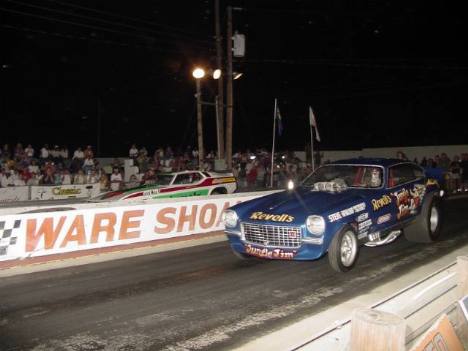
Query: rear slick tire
[[343, 251], [426, 227]]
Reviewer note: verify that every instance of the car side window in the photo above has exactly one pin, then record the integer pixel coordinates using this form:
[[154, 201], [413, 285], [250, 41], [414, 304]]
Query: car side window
[[182, 179], [418, 172], [196, 177], [403, 173]]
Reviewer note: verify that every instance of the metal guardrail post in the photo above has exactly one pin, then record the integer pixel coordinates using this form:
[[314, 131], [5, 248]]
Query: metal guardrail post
[[377, 330], [462, 278], [462, 272]]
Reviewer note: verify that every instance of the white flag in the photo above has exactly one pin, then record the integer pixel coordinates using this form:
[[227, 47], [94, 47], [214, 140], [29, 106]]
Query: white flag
[[313, 123]]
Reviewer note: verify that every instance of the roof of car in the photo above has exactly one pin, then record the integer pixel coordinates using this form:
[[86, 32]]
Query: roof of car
[[385, 162]]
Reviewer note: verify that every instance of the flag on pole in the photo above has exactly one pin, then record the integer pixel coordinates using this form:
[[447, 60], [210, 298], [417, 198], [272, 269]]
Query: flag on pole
[[279, 121], [313, 123]]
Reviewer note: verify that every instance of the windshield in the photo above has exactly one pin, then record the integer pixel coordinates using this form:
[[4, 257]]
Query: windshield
[[355, 176]]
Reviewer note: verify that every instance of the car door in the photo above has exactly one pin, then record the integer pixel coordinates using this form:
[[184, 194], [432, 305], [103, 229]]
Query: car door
[[406, 188]]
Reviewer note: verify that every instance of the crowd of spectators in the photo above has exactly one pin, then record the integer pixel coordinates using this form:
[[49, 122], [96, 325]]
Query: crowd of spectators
[[21, 166], [455, 169], [251, 168]]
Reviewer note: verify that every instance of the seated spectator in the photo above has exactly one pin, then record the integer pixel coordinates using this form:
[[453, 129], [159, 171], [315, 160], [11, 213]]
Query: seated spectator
[[88, 152], [92, 177], [401, 156], [10, 164], [19, 152], [455, 175], [142, 162], [80, 177], [66, 177], [252, 176], [20, 180], [116, 180], [58, 178], [117, 163], [7, 179], [44, 155], [132, 182], [464, 171], [25, 175], [49, 177], [64, 153], [29, 151], [6, 152], [54, 153], [35, 179], [104, 182], [78, 154], [49, 165], [88, 164], [143, 151], [133, 152], [444, 161], [149, 177]]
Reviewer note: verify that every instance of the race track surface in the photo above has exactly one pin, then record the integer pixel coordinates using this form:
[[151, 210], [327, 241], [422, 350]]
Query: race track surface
[[196, 298]]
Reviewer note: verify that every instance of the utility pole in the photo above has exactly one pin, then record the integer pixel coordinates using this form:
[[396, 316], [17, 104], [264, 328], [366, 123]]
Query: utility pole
[[229, 97], [201, 155], [98, 127], [220, 99]]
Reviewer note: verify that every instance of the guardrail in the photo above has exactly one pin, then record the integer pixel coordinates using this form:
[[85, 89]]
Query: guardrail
[[47, 230], [420, 305]]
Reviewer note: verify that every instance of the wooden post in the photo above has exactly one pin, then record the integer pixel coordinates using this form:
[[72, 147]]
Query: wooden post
[[376, 330], [462, 272]]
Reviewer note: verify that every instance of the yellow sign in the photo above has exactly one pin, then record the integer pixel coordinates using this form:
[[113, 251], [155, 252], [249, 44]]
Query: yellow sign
[[271, 217], [382, 202], [60, 191]]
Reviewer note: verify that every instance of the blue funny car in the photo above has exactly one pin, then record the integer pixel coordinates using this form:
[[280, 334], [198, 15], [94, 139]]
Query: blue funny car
[[336, 209]]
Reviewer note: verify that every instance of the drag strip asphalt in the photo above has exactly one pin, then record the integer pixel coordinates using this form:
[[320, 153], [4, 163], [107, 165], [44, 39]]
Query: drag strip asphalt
[[195, 298]]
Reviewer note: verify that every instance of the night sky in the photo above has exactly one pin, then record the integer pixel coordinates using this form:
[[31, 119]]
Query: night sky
[[377, 73]]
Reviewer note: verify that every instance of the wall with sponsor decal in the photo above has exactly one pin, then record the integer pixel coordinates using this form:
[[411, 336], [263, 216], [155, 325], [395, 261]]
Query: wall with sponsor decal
[[39, 234], [51, 192], [62, 192]]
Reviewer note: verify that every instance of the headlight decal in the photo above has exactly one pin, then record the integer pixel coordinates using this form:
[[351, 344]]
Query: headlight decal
[[230, 218], [315, 225]]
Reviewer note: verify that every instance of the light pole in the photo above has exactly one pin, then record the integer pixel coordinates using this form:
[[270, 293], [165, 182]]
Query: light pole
[[199, 73]]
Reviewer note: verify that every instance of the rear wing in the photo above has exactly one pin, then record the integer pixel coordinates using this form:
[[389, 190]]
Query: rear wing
[[220, 174]]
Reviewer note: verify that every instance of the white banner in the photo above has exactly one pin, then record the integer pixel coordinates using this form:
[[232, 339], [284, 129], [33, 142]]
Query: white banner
[[61, 192], [40, 234], [14, 193]]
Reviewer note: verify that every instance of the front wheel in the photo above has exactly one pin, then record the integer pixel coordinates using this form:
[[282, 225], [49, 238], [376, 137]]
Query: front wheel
[[219, 191], [343, 250], [242, 256]]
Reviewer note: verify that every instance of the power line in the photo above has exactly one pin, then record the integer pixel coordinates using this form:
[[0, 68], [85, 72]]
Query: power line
[[205, 42], [337, 63], [120, 16], [84, 38], [85, 25]]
